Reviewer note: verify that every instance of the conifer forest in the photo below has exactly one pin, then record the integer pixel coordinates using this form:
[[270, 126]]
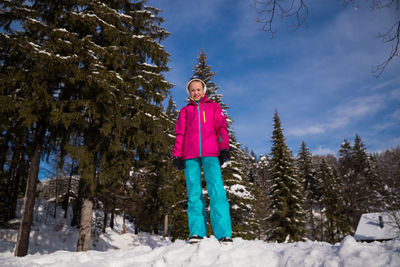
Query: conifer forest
[[83, 89]]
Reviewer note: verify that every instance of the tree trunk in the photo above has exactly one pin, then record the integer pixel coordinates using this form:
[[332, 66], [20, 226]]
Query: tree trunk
[[21, 247], [65, 204], [76, 216], [136, 229], [123, 223], [165, 233], [18, 186], [55, 196], [85, 230], [322, 227], [155, 228], [112, 220], [136, 222], [14, 198], [66, 198], [105, 220], [312, 223], [12, 184], [16, 179]]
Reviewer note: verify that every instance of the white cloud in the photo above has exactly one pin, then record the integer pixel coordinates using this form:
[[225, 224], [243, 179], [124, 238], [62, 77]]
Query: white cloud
[[190, 16], [344, 114], [323, 151], [383, 85], [395, 94], [358, 108], [314, 129], [391, 122], [396, 115]]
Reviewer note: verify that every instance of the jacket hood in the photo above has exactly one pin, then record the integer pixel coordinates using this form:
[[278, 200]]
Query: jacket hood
[[197, 80]]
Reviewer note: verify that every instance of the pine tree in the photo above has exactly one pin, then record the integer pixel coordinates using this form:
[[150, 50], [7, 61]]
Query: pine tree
[[92, 69], [388, 164], [30, 88], [134, 61], [367, 183], [174, 191], [261, 188], [240, 194], [307, 176], [163, 178], [346, 181], [263, 177], [362, 186], [14, 166], [332, 207], [287, 217]]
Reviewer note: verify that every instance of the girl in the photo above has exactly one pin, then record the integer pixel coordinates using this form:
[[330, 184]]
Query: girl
[[202, 140]]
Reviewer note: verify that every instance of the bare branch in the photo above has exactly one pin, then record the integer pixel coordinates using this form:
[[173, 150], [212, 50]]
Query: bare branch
[[392, 36], [301, 13], [269, 9], [266, 9], [377, 4]]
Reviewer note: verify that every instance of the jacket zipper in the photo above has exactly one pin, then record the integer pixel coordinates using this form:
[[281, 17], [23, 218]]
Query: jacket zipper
[[198, 108]]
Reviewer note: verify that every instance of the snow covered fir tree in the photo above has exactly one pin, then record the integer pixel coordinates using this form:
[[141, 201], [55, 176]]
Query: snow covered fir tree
[[84, 69], [309, 186], [83, 87], [286, 218]]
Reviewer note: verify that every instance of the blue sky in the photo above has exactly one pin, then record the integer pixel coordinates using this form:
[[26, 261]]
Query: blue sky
[[318, 78]]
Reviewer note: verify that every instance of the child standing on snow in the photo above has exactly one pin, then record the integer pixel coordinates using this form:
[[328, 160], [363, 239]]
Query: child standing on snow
[[202, 140]]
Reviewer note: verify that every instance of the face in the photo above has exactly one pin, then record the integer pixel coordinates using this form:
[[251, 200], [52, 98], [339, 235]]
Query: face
[[196, 90]]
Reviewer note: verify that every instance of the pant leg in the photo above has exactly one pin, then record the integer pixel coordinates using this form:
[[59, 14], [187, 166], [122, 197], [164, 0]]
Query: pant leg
[[196, 211], [219, 206]]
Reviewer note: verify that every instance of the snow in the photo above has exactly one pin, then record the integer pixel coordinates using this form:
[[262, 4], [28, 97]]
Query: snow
[[237, 176], [240, 191], [369, 226], [209, 252], [117, 75], [95, 16], [151, 116], [138, 36], [61, 30], [53, 243], [35, 21], [150, 72], [149, 65]]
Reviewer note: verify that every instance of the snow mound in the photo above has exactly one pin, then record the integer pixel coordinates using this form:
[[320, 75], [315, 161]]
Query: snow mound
[[53, 243], [209, 252]]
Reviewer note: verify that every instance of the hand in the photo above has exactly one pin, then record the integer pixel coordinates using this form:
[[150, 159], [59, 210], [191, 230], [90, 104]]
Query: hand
[[223, 156], [179, 163]]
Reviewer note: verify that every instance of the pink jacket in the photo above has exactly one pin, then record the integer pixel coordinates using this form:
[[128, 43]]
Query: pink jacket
[[201, 130]]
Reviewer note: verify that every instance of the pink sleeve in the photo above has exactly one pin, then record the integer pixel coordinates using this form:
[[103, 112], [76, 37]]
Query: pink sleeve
[[221, 128], [179, 133]]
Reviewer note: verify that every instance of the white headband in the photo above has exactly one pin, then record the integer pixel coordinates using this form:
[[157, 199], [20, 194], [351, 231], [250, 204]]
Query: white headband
[[196, 80]]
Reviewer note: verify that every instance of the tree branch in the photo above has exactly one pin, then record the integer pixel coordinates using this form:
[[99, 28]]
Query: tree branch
[[392, 36], [269, 9]]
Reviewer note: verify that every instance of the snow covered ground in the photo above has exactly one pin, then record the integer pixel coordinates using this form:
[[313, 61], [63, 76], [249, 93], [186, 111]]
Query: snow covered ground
[[53, 243]]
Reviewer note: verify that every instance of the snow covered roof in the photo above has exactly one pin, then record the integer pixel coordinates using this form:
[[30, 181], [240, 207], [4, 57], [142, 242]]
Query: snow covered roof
[[378, 226]]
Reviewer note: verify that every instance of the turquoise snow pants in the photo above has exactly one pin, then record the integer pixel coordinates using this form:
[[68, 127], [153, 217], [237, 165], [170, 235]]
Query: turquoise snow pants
[[219, 206]]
